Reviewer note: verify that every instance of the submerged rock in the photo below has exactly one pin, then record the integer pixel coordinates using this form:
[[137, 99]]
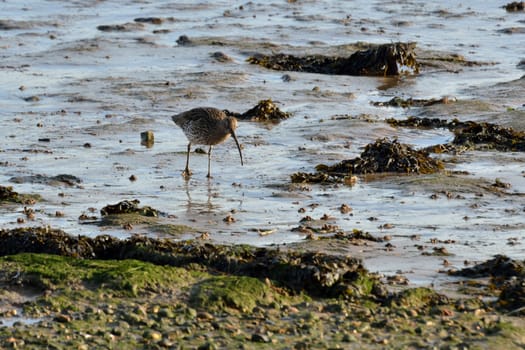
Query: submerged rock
[[379, 60], [126, 27], [382, 156], [412, 102], [57, 180]]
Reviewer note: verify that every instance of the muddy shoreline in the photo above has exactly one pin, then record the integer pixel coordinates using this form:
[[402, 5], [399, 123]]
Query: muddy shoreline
[[409, 189]]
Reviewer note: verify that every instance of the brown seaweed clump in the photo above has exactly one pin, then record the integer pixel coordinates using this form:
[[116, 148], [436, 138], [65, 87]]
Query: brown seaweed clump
[[382, 156], [320, 274], [128, 207], [380, 60], [488, 135], [264, 111], [515, 6], [470, 134]]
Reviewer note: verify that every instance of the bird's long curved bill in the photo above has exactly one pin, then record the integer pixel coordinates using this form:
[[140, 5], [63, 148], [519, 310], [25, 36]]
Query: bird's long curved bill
[[238, 146]]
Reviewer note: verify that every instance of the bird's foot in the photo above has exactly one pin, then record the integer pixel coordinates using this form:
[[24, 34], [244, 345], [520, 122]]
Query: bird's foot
[[186, 173]]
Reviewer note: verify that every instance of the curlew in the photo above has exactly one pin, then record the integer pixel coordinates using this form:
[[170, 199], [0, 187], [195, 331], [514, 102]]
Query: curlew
[[206, 126]]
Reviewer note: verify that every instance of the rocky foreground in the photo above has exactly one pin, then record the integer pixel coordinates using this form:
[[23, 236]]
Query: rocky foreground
[[65, 292]]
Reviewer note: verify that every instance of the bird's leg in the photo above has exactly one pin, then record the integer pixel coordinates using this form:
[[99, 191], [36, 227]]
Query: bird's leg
[[187, 173], [209, 162]]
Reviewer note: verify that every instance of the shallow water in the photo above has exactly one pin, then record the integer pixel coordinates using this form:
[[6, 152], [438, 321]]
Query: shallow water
[[104, 88]]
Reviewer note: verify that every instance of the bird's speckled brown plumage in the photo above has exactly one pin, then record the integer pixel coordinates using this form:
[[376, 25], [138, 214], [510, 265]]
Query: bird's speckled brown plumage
[[206, 126]]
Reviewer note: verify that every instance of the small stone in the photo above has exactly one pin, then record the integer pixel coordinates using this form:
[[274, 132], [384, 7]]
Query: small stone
[[221, 57], [62, 318], [32, 99], [260, 338], [229, 219], [345, 209], [152, 335], [147, 138], [184, 40], [132, 178]]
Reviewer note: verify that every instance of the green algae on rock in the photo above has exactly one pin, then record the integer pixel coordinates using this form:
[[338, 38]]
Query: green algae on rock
[[127, 277], [382, 156], [241, 293], [378, 60]]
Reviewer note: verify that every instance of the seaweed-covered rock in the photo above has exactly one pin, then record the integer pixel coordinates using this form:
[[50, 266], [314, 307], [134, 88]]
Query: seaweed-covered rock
[[128, 207], [317, 273], [470, 134], [512, 296], [380, 60], [264, 111], [382, 156], [489, 135]]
